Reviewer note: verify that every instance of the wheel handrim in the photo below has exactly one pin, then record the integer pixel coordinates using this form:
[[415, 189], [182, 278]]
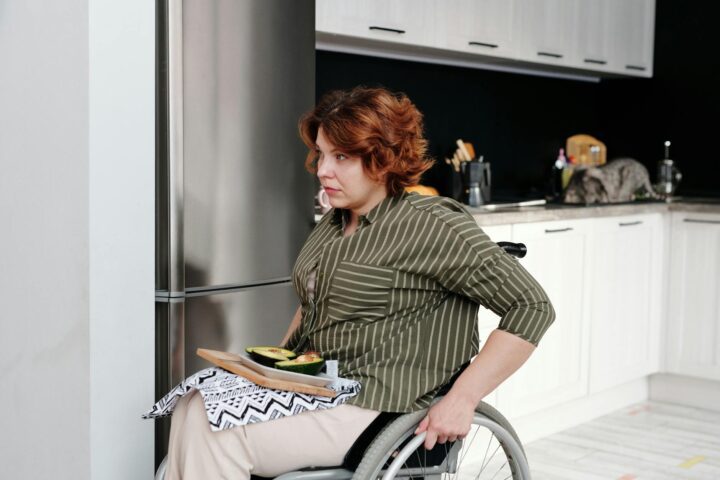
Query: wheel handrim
[[488, 452]]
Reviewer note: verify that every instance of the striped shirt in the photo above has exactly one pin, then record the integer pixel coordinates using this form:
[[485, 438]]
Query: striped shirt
[[396, 302]]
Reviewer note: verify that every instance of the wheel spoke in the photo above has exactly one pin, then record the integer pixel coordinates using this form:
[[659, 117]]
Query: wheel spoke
[[491, 457], [498, 470], [468, 448]]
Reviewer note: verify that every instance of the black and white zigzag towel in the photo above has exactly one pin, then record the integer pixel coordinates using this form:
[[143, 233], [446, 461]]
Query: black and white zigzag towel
[[231, 400]]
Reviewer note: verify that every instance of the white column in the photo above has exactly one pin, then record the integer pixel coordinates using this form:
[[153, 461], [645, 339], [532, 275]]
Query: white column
[[121, 43]]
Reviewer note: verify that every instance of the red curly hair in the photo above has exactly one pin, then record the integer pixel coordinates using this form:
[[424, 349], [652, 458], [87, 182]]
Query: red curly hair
[[384, 129]]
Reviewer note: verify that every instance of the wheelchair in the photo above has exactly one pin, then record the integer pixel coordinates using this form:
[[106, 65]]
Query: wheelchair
[[388, 448]]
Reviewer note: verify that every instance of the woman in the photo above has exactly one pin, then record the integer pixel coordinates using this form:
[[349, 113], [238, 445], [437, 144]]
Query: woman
[[390, 284]]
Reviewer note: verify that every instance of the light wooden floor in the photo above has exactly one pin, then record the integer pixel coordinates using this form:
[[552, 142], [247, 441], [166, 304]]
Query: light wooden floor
[[650, 440]]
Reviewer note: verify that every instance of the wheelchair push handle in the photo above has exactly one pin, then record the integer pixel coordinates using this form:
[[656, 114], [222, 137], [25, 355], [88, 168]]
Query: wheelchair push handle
[[518, 250]]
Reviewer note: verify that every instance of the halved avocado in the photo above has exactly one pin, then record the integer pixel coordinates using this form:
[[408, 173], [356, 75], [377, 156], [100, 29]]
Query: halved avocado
[[307, 364], [268, 356]]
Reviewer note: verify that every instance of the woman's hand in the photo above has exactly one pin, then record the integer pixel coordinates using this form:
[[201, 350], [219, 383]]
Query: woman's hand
[[450, 418], [447, 420]]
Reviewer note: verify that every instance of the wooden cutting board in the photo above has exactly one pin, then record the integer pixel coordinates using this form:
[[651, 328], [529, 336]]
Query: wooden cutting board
[[233, 363], [579, 147]]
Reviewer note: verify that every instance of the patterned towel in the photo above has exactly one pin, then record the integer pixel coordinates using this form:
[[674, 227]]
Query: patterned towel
[[231, 400]]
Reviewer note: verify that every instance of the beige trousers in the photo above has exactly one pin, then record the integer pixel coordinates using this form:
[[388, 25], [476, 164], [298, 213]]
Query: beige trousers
[[319, 439]]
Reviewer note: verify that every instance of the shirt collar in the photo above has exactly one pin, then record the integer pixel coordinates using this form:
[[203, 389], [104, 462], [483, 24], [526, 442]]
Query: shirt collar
[[340, 216]]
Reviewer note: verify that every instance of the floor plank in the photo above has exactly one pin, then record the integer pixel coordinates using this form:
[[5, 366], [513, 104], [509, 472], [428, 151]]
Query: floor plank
[[645, 441]]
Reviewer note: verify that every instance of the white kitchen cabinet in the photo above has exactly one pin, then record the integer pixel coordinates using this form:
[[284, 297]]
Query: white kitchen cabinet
[[484, 27], [603, 36], [558, 370], [693, 335], [487, 320], [497, 233], [626, 268], [633, 33], [397, 21], [594, 35], [546, 30]]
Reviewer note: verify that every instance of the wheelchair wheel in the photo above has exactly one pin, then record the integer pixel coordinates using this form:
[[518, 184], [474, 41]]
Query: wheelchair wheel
[[492, 449]]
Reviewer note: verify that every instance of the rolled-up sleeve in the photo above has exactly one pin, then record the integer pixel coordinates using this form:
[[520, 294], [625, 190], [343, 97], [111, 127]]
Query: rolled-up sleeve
[[476, 267]]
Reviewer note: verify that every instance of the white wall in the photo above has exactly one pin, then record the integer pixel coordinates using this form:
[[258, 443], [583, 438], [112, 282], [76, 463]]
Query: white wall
[[76, 238], [44, 337]]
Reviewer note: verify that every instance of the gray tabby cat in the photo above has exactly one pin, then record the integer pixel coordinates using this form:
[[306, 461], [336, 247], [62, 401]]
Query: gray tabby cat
[[616, 181]]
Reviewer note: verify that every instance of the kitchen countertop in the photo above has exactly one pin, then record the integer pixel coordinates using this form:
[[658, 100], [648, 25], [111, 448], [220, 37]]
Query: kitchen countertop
[[549, 212]]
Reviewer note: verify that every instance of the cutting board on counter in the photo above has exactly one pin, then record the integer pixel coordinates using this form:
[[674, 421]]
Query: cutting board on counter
[[266, 376], [580, 147]]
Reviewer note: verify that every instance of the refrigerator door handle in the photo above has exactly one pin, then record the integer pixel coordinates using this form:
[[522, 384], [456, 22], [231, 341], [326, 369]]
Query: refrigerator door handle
[[176, 254]]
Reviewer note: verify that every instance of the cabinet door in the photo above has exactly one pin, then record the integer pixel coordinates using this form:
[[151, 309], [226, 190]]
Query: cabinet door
[[497, 233], [557, 370], [487, 320], [594, 34], [546, 30], [625, 318], [633, 33], [694, 302], [477, 26], [401, 21]]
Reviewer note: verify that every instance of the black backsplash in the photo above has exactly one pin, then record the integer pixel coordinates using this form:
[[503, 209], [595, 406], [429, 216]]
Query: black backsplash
[[518, 122], [680, 103]]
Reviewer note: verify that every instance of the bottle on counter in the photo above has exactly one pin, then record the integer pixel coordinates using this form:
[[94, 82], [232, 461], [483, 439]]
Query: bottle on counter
[[558, 169], [561, 161]]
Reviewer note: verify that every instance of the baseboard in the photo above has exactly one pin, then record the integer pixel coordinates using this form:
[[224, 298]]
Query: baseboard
[[569, 414], [684, 390]]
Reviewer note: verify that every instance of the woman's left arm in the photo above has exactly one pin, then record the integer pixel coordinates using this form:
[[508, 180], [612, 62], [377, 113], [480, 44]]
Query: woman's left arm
[[482, 272], [450, 418]]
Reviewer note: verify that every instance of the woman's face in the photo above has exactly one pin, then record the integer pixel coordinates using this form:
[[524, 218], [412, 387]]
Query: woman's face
[[344, 179]]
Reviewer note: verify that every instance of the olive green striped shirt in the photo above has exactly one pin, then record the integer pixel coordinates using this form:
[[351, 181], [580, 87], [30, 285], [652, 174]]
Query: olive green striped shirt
[[396, 302]]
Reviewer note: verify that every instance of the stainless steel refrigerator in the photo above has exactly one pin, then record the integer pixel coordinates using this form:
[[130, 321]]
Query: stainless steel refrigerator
[[234, 203]]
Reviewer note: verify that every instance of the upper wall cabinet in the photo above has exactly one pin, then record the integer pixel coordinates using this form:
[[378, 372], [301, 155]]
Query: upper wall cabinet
[[546, 30], [600, 37], [397, 21], [615, 36], [634, 36], [594, 35], [483, 27]]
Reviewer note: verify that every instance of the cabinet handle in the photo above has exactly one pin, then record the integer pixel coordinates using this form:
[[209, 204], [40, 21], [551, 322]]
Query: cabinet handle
[[483, 44], [596, 62], [698, 220], [395, 30], [635, 67], [557, 230], [630, 224], [548, 54]]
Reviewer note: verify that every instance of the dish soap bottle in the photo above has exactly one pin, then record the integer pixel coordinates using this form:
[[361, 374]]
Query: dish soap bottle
[[559, 167]]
